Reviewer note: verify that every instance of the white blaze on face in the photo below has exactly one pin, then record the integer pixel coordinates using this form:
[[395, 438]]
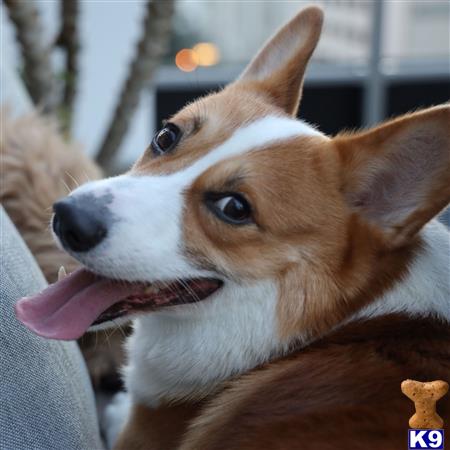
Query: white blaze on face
[[185, 351], [144, 242]]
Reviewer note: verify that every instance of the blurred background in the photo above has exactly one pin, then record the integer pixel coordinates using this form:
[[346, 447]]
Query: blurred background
[[375, 59]]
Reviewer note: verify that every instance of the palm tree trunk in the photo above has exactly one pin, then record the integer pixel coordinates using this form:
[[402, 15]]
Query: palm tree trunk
[[69, 41], [152, 45], [37, 70]]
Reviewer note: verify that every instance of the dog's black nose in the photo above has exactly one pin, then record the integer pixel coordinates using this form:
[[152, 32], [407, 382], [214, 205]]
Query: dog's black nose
[[79, 229]]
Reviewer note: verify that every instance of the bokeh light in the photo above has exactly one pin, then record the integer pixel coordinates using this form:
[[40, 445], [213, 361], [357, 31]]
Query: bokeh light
[[202, 54], [207, 53], [186, 60]]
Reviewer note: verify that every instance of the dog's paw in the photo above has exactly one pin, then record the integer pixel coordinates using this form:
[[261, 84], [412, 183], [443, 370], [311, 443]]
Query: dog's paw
[[115, 416]]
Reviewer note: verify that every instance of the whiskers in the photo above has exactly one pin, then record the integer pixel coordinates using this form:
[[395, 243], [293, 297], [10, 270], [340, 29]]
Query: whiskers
[[75, 181], [172, 287], [66, 186], [189, 289], [88, 178], [109, 334], [120, 328]]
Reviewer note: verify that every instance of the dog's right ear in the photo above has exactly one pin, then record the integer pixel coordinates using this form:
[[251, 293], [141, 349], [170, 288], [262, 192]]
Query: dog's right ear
[[279, 68]]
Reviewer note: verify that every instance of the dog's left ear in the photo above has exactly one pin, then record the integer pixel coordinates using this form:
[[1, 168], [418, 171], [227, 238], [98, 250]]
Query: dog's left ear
[[279, 68], [397, 176]]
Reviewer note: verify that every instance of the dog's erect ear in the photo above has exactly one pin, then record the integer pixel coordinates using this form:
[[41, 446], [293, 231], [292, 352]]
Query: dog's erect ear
[[278, 69], [397, 176]]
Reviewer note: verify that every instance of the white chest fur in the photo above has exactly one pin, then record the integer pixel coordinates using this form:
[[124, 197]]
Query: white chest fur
[[181, 354]]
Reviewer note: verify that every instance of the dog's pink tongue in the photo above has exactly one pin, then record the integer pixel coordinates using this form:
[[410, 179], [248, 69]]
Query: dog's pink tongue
[[66, 309]]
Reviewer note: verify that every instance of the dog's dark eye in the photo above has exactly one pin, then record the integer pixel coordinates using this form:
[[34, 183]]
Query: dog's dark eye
[[166, 139], [231, 207]]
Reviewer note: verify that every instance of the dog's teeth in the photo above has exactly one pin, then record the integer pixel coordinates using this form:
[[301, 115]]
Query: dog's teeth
[[62, 273], [152, 289]]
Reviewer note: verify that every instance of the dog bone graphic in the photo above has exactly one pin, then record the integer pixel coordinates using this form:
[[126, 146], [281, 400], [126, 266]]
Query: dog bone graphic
[[425, 396]]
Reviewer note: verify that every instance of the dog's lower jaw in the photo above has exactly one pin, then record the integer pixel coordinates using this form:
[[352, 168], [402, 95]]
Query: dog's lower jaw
[[187, 353]]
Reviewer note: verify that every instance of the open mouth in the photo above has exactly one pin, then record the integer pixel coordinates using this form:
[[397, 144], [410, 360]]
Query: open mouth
[[66, 309], [155, 296]]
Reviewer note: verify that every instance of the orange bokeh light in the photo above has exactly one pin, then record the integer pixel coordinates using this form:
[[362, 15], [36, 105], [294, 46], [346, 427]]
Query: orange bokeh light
[[186, 60], [207, 53], [202, 54]]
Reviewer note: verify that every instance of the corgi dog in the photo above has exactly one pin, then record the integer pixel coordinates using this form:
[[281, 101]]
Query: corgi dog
[[282, 283]]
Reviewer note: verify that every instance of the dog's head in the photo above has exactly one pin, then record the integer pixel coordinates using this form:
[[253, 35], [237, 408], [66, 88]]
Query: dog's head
[[236, 200]]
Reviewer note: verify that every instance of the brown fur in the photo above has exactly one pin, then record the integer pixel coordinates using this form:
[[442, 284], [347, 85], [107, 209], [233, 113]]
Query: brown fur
[[290, 186], [205, 126], [418, 143], [282, 85], [340, 392], [158, 429], [335, 224], [211, 120], [39, 167]]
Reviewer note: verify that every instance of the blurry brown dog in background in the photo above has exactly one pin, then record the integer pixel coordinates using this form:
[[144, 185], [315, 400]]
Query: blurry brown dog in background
[[38, 167]]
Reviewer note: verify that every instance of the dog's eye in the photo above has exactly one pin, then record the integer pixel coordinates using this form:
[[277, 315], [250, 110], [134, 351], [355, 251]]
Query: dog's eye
[[231, 207], [166, 139]]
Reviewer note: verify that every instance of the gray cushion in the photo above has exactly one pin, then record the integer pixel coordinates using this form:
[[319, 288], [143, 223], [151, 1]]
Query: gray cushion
[[46, 400]]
